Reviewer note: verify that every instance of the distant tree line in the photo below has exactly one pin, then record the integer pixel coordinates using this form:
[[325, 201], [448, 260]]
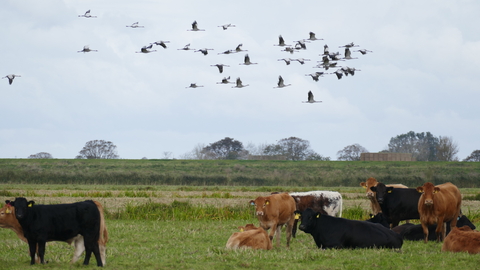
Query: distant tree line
[[423, 146]]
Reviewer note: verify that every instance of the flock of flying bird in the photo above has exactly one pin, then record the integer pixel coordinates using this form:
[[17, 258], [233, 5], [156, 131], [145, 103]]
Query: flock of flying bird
[[329, 59]]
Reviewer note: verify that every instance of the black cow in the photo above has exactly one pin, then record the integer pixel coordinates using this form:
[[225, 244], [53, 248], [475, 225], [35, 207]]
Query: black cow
[[397, 203], [379, 218], [414, 232], [334, 232], [60, 222]]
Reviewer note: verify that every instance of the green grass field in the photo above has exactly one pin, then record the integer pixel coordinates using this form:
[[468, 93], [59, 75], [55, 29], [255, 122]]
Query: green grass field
[[178, 227]]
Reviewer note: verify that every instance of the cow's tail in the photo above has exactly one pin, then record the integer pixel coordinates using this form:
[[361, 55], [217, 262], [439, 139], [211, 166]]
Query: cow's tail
[[103, 235], [340, 205]]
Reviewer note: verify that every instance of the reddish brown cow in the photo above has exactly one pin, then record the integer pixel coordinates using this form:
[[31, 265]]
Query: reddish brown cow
[[462, 239], [372, 182], [273, 212], [9, 221], [438, 204], [250, 237]]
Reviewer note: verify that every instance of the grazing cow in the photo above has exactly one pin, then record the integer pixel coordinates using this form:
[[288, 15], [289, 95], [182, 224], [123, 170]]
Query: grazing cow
[[250, 237], [61, 222], [273, 212], [397, 203], [334, 232], [325, 202], [414, 232], [439, 204], [462, 239], [9, 221], [372, 182]]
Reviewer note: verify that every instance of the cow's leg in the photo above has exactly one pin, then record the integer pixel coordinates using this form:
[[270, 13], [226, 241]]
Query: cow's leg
[[425, 232], [41, 250], [277, 234], [294, 229], [79, 248], [32, 247], [92, 246], [439, 231], [290, 224]]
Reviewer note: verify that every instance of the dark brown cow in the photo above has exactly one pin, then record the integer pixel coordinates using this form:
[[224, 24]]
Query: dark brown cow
[[9, 221], [462, 239], [438, 204], [249, 237], [372, 182], [273, 212]]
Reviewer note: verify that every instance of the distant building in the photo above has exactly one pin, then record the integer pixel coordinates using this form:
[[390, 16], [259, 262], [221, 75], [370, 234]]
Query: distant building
[[386, 157]]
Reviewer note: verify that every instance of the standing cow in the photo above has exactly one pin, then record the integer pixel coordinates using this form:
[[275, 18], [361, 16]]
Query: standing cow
[[325, 202], [9, 221], [397, 204], [273, 212], [332, 232], [439, 204], [371, 195], [61, 222]]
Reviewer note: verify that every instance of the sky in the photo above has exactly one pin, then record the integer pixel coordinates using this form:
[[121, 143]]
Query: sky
[[421, 75]]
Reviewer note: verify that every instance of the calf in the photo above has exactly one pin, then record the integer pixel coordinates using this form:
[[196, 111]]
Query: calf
[[250, 237], [438, 204], [397, 204], [325, 202], [414, 232], [372, 182], [273, 212], [9, 221], [61, 222], [332, 232], [462, 239]]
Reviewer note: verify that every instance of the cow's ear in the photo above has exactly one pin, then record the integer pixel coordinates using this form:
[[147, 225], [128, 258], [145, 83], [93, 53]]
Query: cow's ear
[[374, 189], [252, 202], [372, 215], [363, 184], [436, 189], [30, 203], [389, 189], [420, 189]]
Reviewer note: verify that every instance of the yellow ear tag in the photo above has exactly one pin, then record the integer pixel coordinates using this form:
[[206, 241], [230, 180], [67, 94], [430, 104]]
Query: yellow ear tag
[[8, 211], [365, 187], [389, 191], [318, 215], [241, 229], [434, 191], [297, 216], [30, 204], [267, 202]]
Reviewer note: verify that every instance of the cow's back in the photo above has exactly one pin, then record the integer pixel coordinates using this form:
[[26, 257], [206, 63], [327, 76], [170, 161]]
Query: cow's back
[[325, 202], [462, 239], [255, 238]]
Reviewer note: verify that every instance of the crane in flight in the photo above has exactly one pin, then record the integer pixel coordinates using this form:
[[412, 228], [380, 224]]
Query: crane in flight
[[10, 77], [310, 98], [87, 15], [195, 27], [239, 84], [86, 48], [135, 25], [281, 83]]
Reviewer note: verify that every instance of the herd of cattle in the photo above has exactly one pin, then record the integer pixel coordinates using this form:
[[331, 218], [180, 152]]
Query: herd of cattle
[[437, 208]]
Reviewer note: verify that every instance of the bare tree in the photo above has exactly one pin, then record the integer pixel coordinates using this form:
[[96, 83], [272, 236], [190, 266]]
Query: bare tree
[[41, 155], [474, 156], [447, 149], [98, 149], [351, 152]]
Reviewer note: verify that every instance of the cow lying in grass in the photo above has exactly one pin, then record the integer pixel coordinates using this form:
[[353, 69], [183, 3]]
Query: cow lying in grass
[[249, 237], [332, 232], [462, 239]]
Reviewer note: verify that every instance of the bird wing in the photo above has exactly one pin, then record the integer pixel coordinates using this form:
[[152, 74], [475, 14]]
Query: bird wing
[[310, 96], [281, 41]]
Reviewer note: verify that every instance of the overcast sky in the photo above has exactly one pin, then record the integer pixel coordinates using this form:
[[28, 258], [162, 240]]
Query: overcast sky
[[421, 76]]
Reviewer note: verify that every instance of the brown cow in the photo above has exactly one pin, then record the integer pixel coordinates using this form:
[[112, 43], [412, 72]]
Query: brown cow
[[9, 221], [438, 204], [250, 237], [372, 182], [462, 239], [273, 212]]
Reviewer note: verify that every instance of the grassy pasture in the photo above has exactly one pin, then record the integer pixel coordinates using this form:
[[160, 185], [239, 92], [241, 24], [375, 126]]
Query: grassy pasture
[[165, 227]]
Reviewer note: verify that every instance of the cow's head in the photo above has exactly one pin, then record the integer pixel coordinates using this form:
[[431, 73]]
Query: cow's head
[[371, 182], [428, 190], [260, 203], [381, 192], [21, 207], [7, 216], [308, 219]]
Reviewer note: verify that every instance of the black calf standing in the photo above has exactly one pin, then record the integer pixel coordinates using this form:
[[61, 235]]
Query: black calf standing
[[59, 223]]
